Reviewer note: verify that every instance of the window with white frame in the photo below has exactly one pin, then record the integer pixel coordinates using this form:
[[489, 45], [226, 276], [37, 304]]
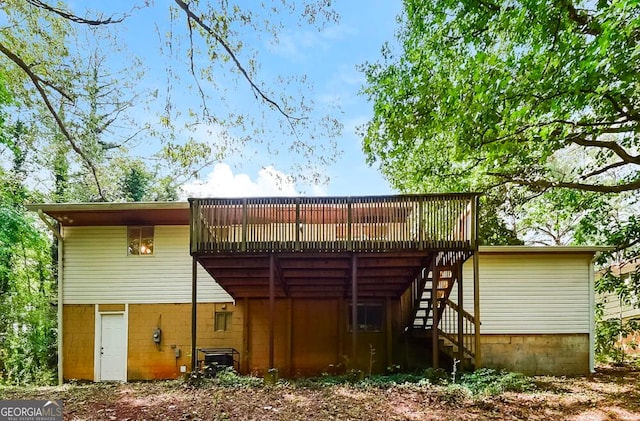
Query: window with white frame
[[140, 241]]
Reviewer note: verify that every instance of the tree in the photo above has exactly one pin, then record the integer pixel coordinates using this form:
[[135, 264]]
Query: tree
[[135, 182], [204, 45], [27, 320], [488, 93], [536, 102]]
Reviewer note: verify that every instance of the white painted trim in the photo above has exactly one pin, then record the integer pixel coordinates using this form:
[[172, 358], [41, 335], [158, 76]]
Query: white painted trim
[[542, 249], [97, 343], [60, 306], [98, 340], [126, 341]]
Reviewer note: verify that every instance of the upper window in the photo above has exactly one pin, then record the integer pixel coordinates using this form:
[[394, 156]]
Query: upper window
[[140, 241]]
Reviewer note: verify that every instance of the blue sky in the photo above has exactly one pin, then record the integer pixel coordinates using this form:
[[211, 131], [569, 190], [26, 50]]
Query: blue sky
[[328, 58]]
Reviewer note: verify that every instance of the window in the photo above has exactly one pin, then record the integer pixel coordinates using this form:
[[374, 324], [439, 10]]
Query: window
[[223, 320], [369, 318], [140, 241]]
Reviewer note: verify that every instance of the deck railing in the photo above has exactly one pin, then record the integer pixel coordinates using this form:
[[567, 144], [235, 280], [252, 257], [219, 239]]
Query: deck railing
[[370, 223]]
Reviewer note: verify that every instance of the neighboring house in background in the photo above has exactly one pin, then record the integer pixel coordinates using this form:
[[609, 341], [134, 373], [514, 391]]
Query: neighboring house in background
[[288, 272], [615, 307]]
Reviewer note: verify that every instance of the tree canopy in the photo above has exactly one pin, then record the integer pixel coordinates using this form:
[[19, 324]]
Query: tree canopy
[[82, 92], [80, 122], [540, 93]]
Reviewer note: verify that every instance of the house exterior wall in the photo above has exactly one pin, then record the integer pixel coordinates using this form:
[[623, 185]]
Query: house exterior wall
[[148, 360], [99, 276], [98, 270], [535, 310], [534, 307], [531, 293], [311, 337], [78, 341], [615, 308], [544, 354]]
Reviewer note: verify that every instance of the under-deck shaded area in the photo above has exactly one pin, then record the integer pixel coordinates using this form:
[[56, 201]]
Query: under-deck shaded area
[[401, 253]]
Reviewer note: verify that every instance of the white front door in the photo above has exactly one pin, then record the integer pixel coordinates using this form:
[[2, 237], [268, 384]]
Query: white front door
[[113, 347]]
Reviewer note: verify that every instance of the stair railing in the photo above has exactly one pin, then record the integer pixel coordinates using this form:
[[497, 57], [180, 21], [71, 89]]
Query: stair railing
[[464, 341]]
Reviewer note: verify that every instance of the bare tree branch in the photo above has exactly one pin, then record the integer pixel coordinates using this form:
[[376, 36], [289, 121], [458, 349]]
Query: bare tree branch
[[37, 82], [236, 61], [72, 17], [205, 109]]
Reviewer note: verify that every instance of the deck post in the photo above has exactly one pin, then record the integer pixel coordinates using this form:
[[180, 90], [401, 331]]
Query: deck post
[[194, 311], [476, 284], [476, 307], [421, 234], [435, 346], [297, 247], [389, 333], [289, 350], [272, 308], [245, 333], [460, 312], [244, 225], [342, 315], [349, 226], [354, 308]]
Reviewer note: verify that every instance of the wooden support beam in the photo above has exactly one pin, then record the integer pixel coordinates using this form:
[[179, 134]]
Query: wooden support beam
[[245, 334], [272, 308], [354, 308], [388, 330], [476, 307], [458, 270], [341, 320], [435, 315], [289, 350], [194, 312]]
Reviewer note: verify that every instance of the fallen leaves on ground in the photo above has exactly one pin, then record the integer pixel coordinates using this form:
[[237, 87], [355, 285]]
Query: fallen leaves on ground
[[609, 394]]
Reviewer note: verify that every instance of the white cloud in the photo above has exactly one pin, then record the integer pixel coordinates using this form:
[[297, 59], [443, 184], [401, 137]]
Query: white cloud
[[222, 182]]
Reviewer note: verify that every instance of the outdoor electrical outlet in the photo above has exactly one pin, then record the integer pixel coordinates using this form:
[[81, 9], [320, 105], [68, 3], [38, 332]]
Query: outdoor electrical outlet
[[183, 368]]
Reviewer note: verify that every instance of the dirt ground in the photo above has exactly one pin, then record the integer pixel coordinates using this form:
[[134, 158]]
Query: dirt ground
[[610, 394]]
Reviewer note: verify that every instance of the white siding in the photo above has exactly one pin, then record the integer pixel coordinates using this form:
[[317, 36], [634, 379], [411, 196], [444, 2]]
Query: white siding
[[614, 309], [98, 270], [531, 293]]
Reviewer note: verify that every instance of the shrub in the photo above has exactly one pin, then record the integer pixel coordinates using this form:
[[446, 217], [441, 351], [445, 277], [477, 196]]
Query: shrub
[[487, 381]]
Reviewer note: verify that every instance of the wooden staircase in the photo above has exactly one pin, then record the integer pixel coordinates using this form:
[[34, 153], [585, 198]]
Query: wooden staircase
[[454, 327]]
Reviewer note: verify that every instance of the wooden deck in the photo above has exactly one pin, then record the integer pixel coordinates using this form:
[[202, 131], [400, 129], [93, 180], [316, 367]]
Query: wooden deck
[[334, 224], [347, 249]]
